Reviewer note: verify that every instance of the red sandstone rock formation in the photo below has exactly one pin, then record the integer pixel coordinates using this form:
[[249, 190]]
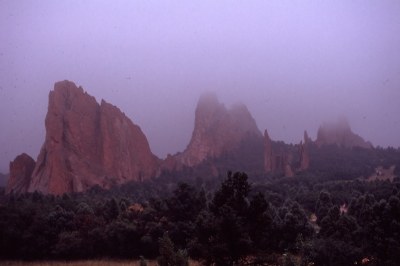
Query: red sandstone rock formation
[[125, 151], [280, 158], [20, 174], [304, 153], [88, 144], [217, 130], [340, 133], [276, 160], [288, 171]]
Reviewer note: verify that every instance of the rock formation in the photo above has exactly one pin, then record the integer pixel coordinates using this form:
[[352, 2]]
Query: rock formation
[[277, 158], [304, 153], [340, 133], [88, 144], [217, 130], [280, 158], [20, 174]]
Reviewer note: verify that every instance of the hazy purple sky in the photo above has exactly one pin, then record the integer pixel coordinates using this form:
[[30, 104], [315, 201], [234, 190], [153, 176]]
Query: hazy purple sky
[[294, 64]]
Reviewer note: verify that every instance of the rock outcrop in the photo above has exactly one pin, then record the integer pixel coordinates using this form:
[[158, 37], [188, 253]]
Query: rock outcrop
[[217, 130], [88, 144], [280, 158], [304, 153], [277, 158], [340, 134], [20, 174]]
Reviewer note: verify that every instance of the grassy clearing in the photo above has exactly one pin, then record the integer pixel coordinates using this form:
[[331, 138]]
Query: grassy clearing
[[85, 263]]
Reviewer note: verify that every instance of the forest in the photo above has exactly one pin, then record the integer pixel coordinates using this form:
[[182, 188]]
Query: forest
[[329, 215]]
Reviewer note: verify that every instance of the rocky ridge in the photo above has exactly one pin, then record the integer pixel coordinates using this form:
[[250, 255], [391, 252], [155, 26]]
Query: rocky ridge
[[90, 144]]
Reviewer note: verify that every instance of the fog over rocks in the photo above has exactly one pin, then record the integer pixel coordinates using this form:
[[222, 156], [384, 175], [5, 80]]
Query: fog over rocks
[[294, 65]]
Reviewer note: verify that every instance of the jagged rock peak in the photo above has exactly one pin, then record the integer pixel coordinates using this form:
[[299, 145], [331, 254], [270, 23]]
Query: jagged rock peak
[[217, 129], [88, 144], [340, 133], [20, 173]]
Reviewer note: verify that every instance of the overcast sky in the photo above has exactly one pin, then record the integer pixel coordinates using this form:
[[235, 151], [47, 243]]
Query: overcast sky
[[295, 64]]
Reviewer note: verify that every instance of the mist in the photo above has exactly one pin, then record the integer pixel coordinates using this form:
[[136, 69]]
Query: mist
[[295, 64]]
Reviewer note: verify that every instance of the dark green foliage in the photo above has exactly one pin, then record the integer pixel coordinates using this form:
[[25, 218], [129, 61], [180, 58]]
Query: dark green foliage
[[216, 222], [222, 234], [233, 194], [327, 251], [168, 255], [323, 205], [261, 223]]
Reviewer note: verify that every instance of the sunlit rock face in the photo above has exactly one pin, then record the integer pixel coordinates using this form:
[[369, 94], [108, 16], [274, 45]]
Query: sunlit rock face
[[20, 174], [217, 130], [339, 133], [88, 144]]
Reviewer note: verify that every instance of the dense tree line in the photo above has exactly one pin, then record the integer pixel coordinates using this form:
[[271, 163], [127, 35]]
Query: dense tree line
[[239, 222], [326, 216]]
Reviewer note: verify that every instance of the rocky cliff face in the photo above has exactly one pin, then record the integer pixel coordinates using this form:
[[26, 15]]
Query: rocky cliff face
[[88, 144], [280, 158], [277, 157], [217, 130], [340, 133], [20, 174], [125, 150]]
